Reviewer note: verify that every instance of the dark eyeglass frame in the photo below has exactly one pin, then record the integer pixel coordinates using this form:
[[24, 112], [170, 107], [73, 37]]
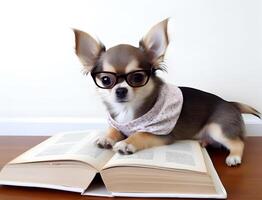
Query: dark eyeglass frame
[[148, 72]]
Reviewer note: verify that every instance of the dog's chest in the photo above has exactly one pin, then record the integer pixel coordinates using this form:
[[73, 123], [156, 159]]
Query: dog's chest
[[123, 114]]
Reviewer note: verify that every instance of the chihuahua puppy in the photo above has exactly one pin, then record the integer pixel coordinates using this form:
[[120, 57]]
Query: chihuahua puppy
[[144, 111]]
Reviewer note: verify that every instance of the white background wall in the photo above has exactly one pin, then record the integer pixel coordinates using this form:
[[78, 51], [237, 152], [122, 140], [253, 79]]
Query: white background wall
[[217, 46]]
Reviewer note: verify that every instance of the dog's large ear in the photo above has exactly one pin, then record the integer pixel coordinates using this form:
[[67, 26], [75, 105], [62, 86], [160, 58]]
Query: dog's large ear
[[155, 42], [87, 49]]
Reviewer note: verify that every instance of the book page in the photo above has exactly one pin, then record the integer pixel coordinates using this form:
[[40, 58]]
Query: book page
[[184, 154], [77, 145]]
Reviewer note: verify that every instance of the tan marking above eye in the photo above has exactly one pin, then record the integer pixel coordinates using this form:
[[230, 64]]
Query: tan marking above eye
[[132, 66], [108, 68]]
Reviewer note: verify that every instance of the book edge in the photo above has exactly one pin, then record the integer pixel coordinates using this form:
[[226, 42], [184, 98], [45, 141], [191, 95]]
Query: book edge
[[214, 175], [41, 185], [170, 195]]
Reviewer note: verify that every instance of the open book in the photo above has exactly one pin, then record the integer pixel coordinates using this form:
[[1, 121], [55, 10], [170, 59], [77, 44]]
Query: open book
[[71, 161]]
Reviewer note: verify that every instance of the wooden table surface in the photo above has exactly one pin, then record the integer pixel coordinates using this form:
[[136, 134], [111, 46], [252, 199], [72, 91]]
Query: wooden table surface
[[243, 182]]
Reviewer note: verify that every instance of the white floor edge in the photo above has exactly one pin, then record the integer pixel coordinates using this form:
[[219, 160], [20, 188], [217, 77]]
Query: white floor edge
[[51, 125]]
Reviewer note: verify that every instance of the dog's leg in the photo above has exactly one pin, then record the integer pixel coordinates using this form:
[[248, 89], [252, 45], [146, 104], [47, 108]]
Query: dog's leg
[[111, 137], [234, 145], [141, 140]]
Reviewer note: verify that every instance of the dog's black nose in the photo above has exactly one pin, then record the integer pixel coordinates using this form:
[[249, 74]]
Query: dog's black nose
[[121, 92]]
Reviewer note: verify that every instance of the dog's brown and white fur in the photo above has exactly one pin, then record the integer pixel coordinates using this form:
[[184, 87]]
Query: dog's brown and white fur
[[204, 116]]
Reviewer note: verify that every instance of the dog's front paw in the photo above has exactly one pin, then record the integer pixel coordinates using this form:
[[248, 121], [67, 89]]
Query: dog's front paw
[[233, 160], [123, 148], [104, 142]]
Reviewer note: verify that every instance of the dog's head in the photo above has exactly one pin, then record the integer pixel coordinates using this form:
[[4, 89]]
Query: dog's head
[[124, 74]]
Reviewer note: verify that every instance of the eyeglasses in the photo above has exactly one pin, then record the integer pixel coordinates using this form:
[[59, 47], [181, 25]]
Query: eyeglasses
[[108, 80]]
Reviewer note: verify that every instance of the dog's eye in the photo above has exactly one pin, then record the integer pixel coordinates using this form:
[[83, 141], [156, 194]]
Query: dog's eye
[[106, 81], [137, 77]]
